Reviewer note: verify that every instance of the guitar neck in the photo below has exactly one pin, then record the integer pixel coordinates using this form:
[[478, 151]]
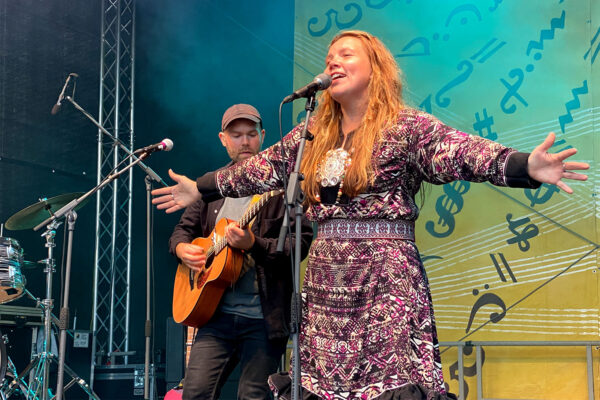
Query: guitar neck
[[245, 220], [254, 208]]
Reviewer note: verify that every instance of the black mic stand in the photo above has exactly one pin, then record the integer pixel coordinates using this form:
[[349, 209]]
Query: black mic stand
[[68, 210], [118, 142], [294, 198], [150, 174], [148, 324]]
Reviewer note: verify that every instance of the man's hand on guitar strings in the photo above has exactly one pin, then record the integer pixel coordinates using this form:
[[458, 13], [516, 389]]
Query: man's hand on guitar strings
[[191, 255]]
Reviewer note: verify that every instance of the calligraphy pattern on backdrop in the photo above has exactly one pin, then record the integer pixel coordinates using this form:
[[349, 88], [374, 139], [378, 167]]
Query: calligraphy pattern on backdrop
[[503, 264]]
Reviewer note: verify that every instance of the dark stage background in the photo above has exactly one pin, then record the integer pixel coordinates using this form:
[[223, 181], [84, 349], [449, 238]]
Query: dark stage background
[[192, 60], [42, 155]]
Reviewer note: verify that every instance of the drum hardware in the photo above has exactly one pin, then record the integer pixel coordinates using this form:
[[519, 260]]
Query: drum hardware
[[3, 358], [31, 317], [48, 212], [11, 372], [39, 383], [39, 367], [21, 316]]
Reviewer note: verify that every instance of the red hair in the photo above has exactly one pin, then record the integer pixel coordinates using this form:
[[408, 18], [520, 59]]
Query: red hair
[[384, 103]]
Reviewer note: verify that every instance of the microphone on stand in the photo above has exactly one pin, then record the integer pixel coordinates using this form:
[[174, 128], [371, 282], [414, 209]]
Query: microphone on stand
[[321, 82], [61, 96], [163, 145]]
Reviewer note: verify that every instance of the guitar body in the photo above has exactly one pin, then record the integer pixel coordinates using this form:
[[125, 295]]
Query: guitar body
[[195, 297]]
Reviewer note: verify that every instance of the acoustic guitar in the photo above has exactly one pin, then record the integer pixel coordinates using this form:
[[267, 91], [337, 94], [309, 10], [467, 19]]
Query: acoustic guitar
[[196, 296]]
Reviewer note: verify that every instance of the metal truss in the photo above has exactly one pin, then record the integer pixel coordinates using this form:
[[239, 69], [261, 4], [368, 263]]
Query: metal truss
[[113, 205]]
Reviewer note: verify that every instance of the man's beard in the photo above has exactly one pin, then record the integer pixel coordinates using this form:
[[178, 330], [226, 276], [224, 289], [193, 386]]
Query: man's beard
[[238, 154]]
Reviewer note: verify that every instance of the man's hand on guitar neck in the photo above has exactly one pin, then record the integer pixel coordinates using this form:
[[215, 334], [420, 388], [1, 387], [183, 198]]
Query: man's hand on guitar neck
[[238, 238], [191, 255]]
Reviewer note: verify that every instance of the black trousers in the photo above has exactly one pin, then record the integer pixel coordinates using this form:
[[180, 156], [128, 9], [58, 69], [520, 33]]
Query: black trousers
[[221, 344]]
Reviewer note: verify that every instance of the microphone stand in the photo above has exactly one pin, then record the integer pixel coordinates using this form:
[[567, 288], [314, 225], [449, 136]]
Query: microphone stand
[[294, 198], [68, 210], [148, 324], [118, 142], [150, 175]]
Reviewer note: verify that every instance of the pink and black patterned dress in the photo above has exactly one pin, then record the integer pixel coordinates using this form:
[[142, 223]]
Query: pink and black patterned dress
[[368, 329]]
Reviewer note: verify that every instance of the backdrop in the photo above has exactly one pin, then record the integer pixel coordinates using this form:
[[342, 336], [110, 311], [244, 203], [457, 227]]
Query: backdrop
[[503, 264], [507, 70]]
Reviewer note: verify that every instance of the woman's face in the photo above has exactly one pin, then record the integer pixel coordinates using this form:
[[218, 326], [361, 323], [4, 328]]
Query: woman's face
[[350, 69]]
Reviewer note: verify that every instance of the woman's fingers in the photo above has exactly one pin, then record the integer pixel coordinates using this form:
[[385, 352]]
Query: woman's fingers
[[162, 191], [563, 155], [547, 143], [563, 186], [575, 165], [163, 200], [574, 176]]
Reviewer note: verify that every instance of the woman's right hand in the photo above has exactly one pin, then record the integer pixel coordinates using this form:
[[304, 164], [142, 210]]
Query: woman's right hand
[[191, 255]]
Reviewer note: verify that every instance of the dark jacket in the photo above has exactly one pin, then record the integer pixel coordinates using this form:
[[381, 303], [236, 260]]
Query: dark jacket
[[273, 270]]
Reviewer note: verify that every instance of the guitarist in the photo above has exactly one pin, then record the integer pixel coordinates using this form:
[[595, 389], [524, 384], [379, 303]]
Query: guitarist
[[250, 325]]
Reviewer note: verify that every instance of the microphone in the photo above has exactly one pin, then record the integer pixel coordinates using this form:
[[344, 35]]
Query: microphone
[[61, 96], [163, 145], [321, 82]]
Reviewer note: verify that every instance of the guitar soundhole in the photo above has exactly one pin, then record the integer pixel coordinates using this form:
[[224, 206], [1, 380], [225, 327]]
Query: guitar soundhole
[[203, 278], [209, 260]]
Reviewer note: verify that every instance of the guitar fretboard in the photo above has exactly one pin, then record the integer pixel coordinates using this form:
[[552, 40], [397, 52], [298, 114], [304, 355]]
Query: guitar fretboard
[[243, 222]]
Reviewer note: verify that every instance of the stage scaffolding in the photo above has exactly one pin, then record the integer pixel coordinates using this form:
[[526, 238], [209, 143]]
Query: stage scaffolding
[[113, 206]]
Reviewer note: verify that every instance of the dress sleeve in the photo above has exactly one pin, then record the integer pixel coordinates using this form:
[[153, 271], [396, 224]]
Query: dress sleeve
[[257, 174], [444, 154]]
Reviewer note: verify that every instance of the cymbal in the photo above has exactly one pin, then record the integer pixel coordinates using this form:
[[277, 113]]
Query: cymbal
[[33, 215]]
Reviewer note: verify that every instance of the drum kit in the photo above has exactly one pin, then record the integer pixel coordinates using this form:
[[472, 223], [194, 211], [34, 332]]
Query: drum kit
[[34, 381]]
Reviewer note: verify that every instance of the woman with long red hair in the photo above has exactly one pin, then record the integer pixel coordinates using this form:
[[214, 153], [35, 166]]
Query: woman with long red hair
[[368, 329]]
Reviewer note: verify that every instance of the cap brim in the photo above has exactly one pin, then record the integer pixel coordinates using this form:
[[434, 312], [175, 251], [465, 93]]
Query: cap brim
[[250, 117]]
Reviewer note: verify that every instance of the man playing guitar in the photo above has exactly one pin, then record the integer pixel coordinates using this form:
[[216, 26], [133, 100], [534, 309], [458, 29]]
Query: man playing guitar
[[251, 323]]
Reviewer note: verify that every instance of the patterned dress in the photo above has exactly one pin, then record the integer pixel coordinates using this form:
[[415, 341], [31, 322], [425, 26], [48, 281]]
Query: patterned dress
[[368, 329]]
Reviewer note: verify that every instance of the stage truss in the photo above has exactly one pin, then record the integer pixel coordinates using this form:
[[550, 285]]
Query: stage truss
[[114, 203]]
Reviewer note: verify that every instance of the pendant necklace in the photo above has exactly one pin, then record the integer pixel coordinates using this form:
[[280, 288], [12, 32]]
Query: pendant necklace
[[332, 169]]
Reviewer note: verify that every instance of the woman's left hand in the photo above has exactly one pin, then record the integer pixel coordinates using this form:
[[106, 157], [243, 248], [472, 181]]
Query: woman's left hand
[[176, 197], [552, 168]]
